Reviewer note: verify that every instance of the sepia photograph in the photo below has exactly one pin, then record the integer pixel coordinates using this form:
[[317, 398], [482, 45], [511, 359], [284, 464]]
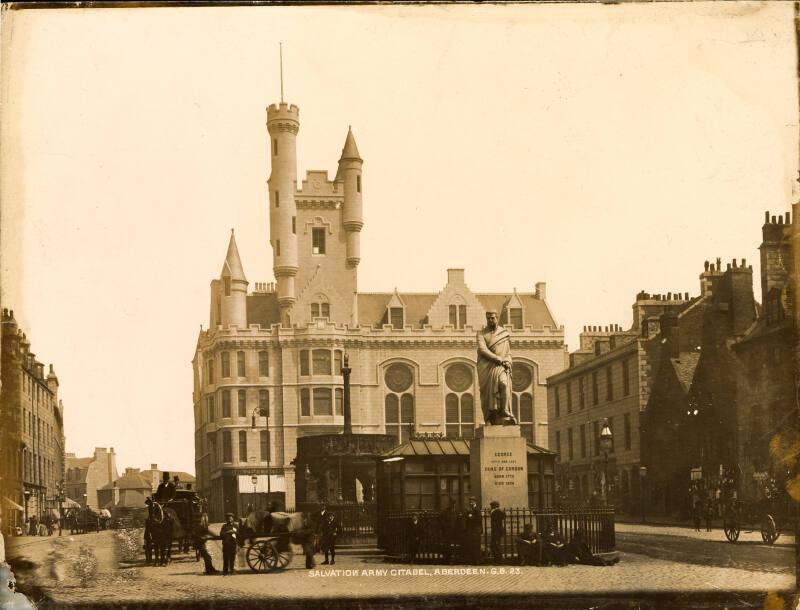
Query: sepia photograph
[[393, 306]]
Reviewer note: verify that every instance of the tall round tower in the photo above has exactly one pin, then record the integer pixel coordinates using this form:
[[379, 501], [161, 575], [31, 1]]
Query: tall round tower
[[350, 164], [283, 123]]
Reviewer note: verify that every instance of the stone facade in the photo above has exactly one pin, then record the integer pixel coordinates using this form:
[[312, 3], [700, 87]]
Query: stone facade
[[86, 475], [30, 400], [280, 347]]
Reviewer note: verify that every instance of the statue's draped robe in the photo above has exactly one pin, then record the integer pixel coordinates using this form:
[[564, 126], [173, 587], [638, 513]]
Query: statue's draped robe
[[491, 373]]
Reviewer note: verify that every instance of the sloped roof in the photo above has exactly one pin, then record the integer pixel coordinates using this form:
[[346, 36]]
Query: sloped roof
[[263, 309], [447, 446], [79, 462], [350, 150], [184, 477], [685, 367], [129, 481], [233, 264]]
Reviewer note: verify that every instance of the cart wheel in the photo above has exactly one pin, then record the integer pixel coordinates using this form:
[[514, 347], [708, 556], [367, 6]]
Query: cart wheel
[[261, 557], [282, 557], [731, 532], [769, 532]]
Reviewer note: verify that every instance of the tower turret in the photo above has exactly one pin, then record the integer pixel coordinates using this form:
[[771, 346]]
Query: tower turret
[[283, 123], [233, 289], [349, 173]]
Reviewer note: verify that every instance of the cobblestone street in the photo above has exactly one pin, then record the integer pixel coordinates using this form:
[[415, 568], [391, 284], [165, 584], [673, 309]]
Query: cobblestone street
[[651, 561]]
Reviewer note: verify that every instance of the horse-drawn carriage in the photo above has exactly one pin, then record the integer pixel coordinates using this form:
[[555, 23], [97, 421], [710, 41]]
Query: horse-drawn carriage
[[172, 522], [267, 539], [740, 515], [82, 520]]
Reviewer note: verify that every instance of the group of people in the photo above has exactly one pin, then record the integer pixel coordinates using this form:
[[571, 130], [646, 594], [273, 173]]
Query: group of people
[[462, 532], [703, 508], [320, 536]]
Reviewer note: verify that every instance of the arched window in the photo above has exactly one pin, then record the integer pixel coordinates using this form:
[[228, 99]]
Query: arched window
[[458, 315], [459, 403], [226, 403], [263, 403], [211, 370], [240, 372], [263, 364], [522, 398], [321, 310], [399, 401], [242, 403]]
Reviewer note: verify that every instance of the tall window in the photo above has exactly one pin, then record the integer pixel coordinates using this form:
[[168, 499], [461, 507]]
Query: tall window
[[322, 401], [275, 146], [459, 404], [558, 442], [227, 448], [515, 317], [582, 392], [522, 399], [263, 403], [609, 384], [211, 370], [595, 392], [263, 364], [242, 403], [458, 315], [320, 310], [557, 392], [583, 440], [304, 368], [240, 372], [569, 397], [338, 361], [243, 446], [626, 378], [396, 317], [338, 396], [569, 443], [305, 402], [264, 442], [399, 401], [226, 403], [627, 432], [226, 282], [318, 240], [322, 361], [210, 407]]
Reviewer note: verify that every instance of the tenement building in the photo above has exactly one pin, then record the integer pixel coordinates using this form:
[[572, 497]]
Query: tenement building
[[268, 369], [86, 475], [608, 378], [32, 463], [767, 411]]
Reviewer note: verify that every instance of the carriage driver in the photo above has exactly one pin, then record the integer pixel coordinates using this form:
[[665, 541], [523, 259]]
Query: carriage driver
[[165, 491]]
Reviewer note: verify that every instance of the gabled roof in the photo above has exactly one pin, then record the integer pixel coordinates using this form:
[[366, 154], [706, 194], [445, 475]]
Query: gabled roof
[[350, 150], [129, 481], [685, 367]]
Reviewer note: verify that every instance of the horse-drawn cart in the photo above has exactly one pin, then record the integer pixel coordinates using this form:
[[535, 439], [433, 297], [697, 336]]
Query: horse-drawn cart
[[740, 515], [267, 539], [268, 554]]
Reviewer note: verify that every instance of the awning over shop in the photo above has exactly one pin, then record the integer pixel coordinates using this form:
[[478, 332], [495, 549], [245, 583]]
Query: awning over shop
[[9, 503], [446, 446]]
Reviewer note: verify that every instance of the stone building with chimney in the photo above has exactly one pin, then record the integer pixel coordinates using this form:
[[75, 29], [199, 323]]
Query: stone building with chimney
[[87, 475], [272, 354]]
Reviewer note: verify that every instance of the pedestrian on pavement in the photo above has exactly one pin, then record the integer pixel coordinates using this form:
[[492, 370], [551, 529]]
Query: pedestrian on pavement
[[414, 537], [328, 529], [528, 546], [697, 514], [230, 537], [474, 529], [498, 521], [709, 514], [448, 529]]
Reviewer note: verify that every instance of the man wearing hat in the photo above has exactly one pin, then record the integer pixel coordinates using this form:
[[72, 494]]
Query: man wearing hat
[[328, 529], [498, 520], [230, 538], [474, 529], [494, 372]]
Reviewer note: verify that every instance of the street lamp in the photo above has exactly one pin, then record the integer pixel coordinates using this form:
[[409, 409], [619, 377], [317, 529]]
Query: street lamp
[[606, 440], [642, 475], [259, 412], [254, 480], [27, 494]]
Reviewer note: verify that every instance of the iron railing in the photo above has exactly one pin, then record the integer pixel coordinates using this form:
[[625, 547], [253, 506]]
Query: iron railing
[[394, 533]]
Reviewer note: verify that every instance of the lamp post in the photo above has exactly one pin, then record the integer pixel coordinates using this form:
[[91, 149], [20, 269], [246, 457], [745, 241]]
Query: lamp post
[[606, 439], [254, 480], [27, 494], [642, 475], [265, 413]]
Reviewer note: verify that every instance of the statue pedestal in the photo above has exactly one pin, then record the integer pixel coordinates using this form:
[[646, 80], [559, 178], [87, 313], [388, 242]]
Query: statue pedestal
[[498, 466]]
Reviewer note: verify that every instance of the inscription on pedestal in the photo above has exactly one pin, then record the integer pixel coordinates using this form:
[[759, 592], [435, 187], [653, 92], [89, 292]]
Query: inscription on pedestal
[[499, 466]]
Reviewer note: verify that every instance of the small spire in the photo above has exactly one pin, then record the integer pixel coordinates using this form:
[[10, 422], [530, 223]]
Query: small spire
[[350, 150], [233, 264]]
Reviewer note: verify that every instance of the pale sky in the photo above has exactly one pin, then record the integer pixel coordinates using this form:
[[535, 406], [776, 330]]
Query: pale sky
[[604, 149]]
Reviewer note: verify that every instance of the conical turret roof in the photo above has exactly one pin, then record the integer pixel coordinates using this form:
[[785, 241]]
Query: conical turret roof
[[233, 264], [350, 150]]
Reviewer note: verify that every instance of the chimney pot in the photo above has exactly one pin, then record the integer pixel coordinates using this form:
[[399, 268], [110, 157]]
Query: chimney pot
[[788, 217], [773, 220], [766, 217], [734, 263]]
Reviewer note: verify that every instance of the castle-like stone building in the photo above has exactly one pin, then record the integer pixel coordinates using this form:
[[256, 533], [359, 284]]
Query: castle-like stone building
[[278, 349]]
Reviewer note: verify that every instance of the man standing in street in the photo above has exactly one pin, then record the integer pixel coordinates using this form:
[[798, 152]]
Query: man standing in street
[[447, 527], [230, 538], [474, 529], [498, 520], [328, 528]]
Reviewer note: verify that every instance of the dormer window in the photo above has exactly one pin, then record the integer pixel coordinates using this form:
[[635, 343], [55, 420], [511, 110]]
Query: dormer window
[[458, 315], [396, 317], [320, 310], [318, 240], [515, 317]]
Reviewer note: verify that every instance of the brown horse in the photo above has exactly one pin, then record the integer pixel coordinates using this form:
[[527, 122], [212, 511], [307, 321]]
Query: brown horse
[[162, 527]]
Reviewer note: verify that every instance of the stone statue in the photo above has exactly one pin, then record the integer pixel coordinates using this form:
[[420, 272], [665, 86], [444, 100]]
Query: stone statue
[[494, 372]]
